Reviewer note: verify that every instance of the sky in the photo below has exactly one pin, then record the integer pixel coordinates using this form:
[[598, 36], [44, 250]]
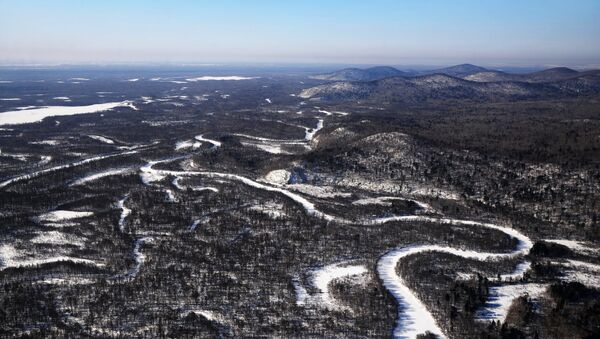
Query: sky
[[393, 32]]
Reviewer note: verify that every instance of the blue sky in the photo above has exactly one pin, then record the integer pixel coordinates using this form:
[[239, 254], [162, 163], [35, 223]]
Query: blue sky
[[487, 32]]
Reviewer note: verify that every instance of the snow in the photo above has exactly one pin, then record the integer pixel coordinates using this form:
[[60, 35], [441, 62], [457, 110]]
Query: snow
[[38, 114], [271, 209], [413, 316], [180, 145], [53, 169], [100, 175], [58, 238], [322, 277], [150, 175], [277, 177], [319, 192], [170, 196], [310, 133], [576, 246], [501, 298], [138, 257], [124, 213], [320, 280], [215, 143], [220, 78], [384, 201], [62, 215], [301, 293], [102, 139], [273, 146], [580, 271], [9, 257], [195, 224], [46, 142]]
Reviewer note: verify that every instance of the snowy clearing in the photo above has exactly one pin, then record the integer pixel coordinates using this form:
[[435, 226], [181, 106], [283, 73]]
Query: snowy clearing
[[501, 297], [38, 114], [100, 175], [52, 169], [220, 78], [62, 215]]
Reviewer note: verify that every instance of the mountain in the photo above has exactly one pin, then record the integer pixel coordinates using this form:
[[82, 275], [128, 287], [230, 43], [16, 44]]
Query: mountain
[[458, 70], [444, 87], [548, 75], [357, 74]]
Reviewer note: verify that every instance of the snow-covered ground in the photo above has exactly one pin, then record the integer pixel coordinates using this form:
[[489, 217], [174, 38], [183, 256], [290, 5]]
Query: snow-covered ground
[[310, 132], [150, 175], [100, 175], [187, 144], [57, 168], [215, 143], [10, 257], [323, 276], [220, 78], [124, 213], [38, 114], [576, 246], [102, 139], [58, 238], [138, 257], [413, 316], [62, 215], [385, 201], [501, 297], [273, 210], [580, 271]]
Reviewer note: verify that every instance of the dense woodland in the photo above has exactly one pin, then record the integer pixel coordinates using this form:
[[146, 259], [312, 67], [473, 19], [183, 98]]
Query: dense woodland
[[211, 256]]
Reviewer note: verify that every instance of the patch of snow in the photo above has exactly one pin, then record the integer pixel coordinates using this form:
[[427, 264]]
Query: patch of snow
[[62, 215], [102, 139], [58, 238], [38, 114], [53, 169], [124, 213], [500, 299], [277, 177], [46, 142], [220, 78], [215, 143], [9, 257], [575, 246], [323, 276], [100, 175]]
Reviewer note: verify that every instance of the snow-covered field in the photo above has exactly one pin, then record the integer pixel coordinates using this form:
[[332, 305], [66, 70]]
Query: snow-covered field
[[321, 278], [62, 215], [102, 139], [100, 175], [220, 78], [38, 114], [501, 297], [57, 168], [10, 257]]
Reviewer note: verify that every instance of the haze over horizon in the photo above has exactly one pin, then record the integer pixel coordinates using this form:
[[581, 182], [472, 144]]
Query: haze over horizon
[[490, 33]]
